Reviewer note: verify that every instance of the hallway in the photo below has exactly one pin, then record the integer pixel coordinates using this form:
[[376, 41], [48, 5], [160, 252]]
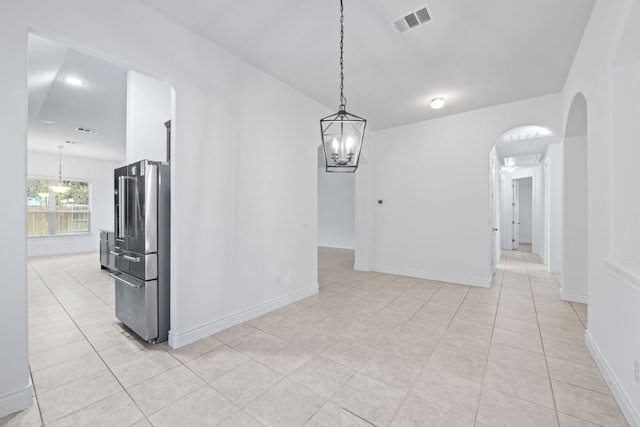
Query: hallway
[[369, 349]]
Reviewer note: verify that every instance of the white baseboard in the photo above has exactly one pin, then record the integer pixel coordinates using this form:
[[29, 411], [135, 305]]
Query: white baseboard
[[631, 413], [461, 280], [16, 401], [336, 246], [571, 297], [361, 267], [180, 339], [555, 269]]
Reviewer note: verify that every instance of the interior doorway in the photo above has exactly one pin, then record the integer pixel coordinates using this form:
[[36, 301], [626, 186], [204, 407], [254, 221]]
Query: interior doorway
[[104, 115], [522, 221], [336, 207], [523, 207], [86, 117]]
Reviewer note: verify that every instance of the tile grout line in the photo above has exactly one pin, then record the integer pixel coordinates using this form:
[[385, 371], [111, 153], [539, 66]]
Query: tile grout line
[[544, 352], [35, 392], [404, 399], [436, 346], [356, 371], [484, 372], [96, 352], [80, 282]]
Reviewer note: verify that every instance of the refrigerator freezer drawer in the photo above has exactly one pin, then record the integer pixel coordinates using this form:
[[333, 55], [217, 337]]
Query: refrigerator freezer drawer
[[137, 305], [141, 266]]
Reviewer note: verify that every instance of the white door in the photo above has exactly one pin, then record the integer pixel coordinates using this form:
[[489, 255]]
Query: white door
[[515, 217], [494, 215]]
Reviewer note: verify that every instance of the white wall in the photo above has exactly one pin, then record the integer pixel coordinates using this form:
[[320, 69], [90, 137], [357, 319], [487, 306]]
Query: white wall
[[244, 201], [336, 209], [148, 108], [626, 122], [435, 220], [15, 384], [526, 210], [610, 40], [364, 209], [99, 173], [574, 270], [553, 209]]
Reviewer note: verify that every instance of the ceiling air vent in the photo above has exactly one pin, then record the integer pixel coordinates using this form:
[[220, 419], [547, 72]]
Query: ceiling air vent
[[86, 130], [412, 20]]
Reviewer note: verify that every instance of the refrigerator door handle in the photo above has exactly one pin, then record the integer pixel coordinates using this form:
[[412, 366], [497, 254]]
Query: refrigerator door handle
[[131, 285], [131, 258], [121, 206], [115, 253]]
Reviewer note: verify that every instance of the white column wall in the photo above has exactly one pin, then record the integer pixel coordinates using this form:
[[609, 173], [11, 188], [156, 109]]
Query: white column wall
[[99, 173], [364, 209], [626, 152], [244, 203], [611, 37], [538, 237], [148, 108], [574, 271], [15, 383], [555, 245]]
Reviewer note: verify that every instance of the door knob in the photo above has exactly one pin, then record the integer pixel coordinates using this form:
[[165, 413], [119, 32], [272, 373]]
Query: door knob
[[495, 229]]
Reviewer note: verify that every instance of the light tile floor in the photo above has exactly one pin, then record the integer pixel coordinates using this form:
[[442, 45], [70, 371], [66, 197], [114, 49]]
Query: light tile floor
[[369, 349]]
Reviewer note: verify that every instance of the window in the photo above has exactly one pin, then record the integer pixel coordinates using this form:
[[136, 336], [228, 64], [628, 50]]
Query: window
[[50, 213]]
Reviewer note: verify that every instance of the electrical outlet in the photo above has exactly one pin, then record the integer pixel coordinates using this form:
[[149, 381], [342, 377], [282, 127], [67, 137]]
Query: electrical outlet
[[637, 371]]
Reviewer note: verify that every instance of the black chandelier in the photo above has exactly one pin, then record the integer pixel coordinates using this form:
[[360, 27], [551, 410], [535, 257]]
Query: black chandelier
[[342, 133]]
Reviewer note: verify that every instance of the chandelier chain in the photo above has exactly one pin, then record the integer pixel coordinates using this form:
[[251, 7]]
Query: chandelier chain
[[343, 100], [60, 164]]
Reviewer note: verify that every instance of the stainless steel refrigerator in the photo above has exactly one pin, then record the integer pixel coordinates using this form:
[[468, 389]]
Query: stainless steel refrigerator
[[141, 249]]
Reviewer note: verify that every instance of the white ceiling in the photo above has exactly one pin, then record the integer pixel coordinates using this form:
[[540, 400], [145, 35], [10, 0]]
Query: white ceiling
[[474, 54], [99, 104]]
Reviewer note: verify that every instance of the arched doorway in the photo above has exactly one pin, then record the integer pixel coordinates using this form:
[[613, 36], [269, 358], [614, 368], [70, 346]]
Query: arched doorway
[[575, 240], [522, 158]]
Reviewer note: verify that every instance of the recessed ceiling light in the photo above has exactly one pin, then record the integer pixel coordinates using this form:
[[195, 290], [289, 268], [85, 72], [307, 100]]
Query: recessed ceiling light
[[74, 81], [437, 103], [86, 130]]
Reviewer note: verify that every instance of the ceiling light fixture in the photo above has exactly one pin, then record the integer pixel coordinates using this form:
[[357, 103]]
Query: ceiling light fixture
[[342, 133], [60, 187], [74, 81], [437, 103]]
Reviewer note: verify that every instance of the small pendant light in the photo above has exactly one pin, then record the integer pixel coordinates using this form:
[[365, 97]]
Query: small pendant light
[[342, 133], [60, 187]]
